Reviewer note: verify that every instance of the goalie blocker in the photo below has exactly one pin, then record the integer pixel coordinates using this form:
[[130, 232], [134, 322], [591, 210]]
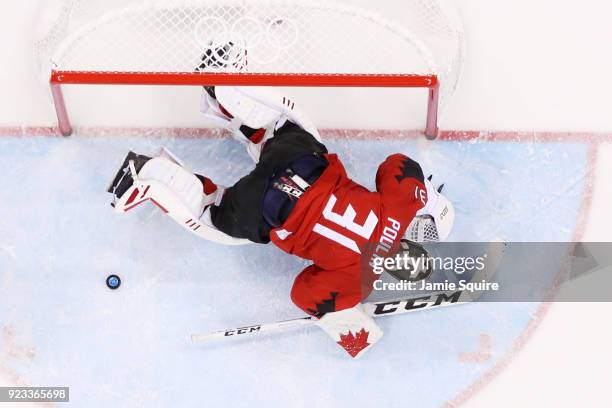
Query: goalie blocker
[[300, 198]]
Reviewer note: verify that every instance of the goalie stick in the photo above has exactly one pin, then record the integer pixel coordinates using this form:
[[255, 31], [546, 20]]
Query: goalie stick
[[374, 309], [494, 252]]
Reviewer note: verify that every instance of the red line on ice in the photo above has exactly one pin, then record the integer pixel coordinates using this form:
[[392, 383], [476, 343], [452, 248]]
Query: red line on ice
[[358, 134]]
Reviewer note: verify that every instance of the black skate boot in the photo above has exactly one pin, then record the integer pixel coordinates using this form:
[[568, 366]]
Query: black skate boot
[[124, 178]]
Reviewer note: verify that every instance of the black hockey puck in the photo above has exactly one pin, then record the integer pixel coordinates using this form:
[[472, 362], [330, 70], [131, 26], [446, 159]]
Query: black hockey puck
[[113, 282]]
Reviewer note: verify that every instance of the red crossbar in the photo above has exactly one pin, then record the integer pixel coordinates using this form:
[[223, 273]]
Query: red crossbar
[[59, 78]]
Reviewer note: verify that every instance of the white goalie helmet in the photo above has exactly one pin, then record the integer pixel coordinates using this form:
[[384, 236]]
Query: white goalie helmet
[[435, 221]]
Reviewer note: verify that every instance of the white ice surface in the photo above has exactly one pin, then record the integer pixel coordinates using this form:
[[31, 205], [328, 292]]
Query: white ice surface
[[59, 240], [531, 65]]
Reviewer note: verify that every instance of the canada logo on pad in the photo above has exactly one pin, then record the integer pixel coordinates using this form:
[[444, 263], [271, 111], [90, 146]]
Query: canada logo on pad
[[354, 343]]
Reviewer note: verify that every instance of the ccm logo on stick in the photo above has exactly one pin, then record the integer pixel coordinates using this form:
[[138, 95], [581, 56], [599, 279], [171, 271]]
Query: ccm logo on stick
[[242, 330], [424, 302]]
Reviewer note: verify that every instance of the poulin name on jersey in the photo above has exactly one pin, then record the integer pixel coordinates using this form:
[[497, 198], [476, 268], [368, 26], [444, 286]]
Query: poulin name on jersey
[[387, 240]]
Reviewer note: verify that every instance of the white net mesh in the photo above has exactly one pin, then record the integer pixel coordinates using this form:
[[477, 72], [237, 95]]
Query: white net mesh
[[267, 36]]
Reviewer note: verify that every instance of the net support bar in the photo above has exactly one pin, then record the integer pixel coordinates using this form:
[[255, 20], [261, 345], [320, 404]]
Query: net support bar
[[59, 78]]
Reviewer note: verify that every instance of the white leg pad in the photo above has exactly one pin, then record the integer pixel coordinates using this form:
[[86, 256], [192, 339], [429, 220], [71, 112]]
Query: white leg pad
[[180, 194], [174, 184], [259, 107], [242, 105], [255, 107], [211, 110]]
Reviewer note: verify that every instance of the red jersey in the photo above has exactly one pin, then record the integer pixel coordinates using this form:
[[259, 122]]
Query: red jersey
[[337, 222]]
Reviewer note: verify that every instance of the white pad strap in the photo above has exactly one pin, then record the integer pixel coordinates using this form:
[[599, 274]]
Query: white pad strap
[[353, 329]]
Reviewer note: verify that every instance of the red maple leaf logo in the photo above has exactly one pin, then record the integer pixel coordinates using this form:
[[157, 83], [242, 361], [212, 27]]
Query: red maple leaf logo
[[353, 344]]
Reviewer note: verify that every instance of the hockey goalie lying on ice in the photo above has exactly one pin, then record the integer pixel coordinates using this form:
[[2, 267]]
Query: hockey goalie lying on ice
[[300, 198]]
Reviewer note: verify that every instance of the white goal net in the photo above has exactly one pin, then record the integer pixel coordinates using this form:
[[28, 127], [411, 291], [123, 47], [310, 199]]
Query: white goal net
[[301, 37]]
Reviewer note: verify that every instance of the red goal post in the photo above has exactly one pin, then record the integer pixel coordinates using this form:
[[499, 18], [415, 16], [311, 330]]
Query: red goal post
[[293, 43]]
